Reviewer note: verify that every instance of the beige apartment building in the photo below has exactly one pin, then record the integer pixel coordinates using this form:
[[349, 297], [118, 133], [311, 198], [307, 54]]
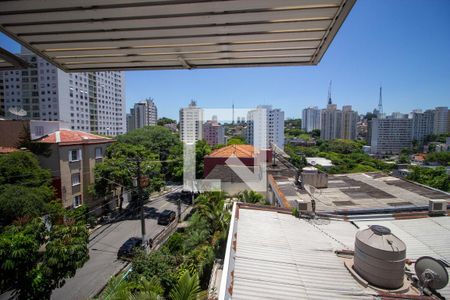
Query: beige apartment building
[[72, 161]]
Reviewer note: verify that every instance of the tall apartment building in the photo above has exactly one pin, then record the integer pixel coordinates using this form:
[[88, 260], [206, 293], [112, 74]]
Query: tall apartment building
[[191, 123], [2, 96], [330, 123], [92, 102], [441, 120], [311, 119], [143, 113], [213, 133], [348, 123], [389, 136], [265, 125], [338, 124], [422, 124]]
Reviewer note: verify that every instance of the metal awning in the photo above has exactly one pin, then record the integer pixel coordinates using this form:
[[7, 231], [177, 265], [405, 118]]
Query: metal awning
[[9, 61], [91, 35]]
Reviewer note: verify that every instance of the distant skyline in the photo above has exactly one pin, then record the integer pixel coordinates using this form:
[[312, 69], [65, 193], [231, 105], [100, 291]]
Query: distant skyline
[[402, 44]]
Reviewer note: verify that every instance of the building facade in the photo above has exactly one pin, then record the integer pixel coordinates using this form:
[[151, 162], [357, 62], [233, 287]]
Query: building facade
[[441, 120], [143, 113], [265, 125], [390, 136], [330, 122], [349, 121], [311, 119], [422, 124], [213, 133], [72, 161], [191, 123], [91, 102]]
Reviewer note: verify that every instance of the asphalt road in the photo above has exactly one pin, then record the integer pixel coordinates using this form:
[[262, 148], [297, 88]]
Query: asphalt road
[[103, 246]]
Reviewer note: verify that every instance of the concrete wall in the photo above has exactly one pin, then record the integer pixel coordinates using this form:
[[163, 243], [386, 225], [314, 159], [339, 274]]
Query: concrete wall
[[317, 179]]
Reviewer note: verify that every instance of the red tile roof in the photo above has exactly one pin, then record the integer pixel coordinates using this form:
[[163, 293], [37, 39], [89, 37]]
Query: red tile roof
[[69, 137], [234, 150], [6, 150]]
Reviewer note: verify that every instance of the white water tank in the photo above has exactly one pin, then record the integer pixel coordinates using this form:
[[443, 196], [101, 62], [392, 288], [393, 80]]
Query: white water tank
[[380, 257]]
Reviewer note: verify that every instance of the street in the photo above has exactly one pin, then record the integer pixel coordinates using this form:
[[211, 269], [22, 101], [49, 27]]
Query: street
[[104, 244]]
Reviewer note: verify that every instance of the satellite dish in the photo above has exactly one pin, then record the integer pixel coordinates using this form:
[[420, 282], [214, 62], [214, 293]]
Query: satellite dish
[[431, 272], [17, 112]]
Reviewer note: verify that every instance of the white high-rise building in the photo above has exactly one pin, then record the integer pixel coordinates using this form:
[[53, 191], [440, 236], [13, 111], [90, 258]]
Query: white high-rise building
[[331, 122], [390, 135], [441, 121], [265, 125], [311, 119], [191, 123], [92, 102]]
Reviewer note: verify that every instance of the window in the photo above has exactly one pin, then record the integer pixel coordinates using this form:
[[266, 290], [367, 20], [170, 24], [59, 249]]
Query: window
[[98, 152], [74, 155], [75, 179], [39, 130], [77, 201]]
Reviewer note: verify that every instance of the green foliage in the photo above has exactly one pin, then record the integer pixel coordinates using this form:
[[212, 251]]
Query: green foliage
[[236, 140], [163, 121], [341, 146], [249, 196], [187, 288], [32, 273], [35, 147], [434, 177], [120, 166], [442, 158], [315, 133], [191, 251], [161, 142], [201, 149], [25, 188], [295, 212]]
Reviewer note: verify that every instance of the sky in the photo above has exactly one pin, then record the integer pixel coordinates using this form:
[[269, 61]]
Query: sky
[[403, 45]]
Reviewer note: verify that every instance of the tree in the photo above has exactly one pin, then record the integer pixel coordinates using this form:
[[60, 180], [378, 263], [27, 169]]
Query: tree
[[120, 168], [160, 141], [315, 133], [434, 177], [201, 149], [187, 288], [38, 254], [163, 121], [236, 140], [25, 188], [251, 197], [443, 158]]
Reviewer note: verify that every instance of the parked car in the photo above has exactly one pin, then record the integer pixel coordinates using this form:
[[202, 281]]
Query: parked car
[[128, 248], [166, 217]]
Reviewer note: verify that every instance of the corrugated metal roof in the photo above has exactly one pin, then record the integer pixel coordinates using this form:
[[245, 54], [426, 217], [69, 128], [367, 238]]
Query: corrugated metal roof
[[423, 237], [92, 35], [282, 257]]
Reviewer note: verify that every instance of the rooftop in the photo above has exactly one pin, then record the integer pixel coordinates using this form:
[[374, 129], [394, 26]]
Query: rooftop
[[372, 191], [273, 255], [70, 137], [240, 151]]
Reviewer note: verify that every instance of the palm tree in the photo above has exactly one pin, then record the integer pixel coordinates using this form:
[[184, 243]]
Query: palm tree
[[187, 288], [251, 197]]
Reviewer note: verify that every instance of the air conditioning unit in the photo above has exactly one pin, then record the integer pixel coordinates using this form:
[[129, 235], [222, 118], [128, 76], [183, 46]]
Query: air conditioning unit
[[437, 207], [304, 206]]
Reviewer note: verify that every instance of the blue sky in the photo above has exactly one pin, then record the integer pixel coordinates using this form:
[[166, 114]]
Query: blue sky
[[403, 44]]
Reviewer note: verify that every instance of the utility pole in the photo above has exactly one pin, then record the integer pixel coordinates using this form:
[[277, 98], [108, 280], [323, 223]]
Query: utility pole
[[140, 198]]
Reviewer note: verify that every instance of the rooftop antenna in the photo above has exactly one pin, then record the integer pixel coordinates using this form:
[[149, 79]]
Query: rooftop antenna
[[432, 274], [329, 93], [380, 101], [232, 113], [17, 112]]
